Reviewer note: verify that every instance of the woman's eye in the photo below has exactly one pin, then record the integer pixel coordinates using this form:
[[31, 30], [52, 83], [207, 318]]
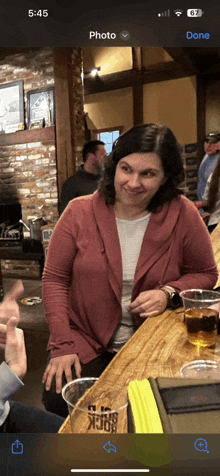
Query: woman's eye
[[149, 174], [126, 169]]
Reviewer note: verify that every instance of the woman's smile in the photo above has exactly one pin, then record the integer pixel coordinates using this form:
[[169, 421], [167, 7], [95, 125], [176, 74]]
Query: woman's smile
[[133, 192]]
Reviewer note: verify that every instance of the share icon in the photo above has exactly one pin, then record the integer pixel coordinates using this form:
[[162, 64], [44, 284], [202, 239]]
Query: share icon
[[108, 447]]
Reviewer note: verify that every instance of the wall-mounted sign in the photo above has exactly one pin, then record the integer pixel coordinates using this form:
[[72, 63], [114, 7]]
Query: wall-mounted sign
[[40, 108], [11, 107], [191, 148]]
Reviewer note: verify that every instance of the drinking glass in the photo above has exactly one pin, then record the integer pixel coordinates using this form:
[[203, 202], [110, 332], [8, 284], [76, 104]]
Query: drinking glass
[[201, 369], [201, 316], [96, 406]]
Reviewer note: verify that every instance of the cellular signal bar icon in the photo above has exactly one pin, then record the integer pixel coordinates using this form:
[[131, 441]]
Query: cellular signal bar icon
[[164, 14]]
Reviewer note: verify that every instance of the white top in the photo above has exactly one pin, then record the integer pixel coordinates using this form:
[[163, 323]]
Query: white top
[[131, 233], [215, 215]]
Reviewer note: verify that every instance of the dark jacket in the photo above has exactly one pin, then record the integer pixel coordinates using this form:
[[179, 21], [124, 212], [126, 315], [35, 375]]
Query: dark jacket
[[82, 183]]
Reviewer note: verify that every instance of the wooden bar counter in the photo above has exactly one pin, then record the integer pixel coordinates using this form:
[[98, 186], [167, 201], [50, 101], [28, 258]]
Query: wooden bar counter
[[159, 348]]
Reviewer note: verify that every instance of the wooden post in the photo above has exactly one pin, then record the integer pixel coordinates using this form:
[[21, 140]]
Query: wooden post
[[138, 111], [201, 86], [64, 136], [138, 108]]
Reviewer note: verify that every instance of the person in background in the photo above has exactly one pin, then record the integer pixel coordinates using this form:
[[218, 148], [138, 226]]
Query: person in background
[[209, 162], [16, 417], [211, 199], [120, 256], [85, 181]]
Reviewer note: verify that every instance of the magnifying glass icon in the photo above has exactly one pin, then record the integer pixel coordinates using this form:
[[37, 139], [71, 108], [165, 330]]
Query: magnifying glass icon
[[201, 445]]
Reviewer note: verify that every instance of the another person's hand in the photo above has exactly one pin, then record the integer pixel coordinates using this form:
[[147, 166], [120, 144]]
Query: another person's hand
[[58, 366], [149, 303], [12, 341], [9, 306]]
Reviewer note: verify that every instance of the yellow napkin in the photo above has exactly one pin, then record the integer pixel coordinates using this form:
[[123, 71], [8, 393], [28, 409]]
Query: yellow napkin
[[144, 408]]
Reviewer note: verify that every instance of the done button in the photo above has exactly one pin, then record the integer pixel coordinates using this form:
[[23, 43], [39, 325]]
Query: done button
[[197, 36]]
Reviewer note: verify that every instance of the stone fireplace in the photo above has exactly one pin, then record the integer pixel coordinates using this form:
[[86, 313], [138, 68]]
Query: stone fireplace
[[11, 230]]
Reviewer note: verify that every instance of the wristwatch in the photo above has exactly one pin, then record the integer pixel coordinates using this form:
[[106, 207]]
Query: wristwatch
[[173, 298]]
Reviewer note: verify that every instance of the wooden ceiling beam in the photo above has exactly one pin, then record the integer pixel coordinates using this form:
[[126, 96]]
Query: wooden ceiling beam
[[182, 57], [128, 78]]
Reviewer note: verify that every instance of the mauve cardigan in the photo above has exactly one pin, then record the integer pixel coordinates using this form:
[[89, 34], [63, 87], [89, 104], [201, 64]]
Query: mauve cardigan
[[82, 278]]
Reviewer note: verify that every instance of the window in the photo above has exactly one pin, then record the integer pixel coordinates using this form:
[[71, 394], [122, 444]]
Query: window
[[108, 136]]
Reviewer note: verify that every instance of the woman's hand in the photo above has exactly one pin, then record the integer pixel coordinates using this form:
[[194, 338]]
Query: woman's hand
[[58, 366], [149, 303]]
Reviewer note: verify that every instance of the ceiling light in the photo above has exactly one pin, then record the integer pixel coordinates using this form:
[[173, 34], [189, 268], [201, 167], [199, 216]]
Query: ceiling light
[[94, 72]]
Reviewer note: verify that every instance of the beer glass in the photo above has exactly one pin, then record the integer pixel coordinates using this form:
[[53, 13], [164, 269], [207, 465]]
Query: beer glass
[[207, 369], [96, 406], [201, 316]]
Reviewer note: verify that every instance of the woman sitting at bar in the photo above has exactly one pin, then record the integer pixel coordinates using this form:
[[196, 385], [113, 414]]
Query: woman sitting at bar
[[120, 256]]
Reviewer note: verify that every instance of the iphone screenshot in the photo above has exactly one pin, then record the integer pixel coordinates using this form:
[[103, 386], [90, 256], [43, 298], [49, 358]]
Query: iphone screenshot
[[84, 90]]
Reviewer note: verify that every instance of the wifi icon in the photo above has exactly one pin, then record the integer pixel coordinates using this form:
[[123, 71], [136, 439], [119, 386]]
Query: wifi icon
[[178, 13]]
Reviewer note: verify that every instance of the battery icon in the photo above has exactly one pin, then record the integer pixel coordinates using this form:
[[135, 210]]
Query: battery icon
[[194, 12]]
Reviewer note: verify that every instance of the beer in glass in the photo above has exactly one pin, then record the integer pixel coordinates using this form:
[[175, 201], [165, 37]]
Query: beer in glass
[[201, 316]]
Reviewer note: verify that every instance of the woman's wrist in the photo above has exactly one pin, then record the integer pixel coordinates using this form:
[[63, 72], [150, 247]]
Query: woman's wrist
[[173, 298], [167, 294]]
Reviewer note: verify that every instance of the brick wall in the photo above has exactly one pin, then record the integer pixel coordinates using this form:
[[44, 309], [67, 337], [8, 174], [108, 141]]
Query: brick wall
[[31, 166], [29, 170], [32, 171]]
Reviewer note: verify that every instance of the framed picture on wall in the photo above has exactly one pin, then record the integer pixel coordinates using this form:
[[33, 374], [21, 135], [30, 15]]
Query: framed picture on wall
[[40, 108], [11, 107]]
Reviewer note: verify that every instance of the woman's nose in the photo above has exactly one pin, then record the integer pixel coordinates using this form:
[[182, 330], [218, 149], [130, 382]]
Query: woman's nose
[[134, 181]]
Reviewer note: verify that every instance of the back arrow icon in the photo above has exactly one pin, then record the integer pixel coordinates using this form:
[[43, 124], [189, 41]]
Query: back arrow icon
[[108, 447]]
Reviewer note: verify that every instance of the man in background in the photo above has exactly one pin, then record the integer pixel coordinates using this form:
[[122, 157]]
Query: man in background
[[85, 181], [209, 162]]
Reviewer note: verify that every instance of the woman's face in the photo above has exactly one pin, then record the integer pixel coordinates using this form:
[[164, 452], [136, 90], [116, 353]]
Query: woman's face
[[138, 177]]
